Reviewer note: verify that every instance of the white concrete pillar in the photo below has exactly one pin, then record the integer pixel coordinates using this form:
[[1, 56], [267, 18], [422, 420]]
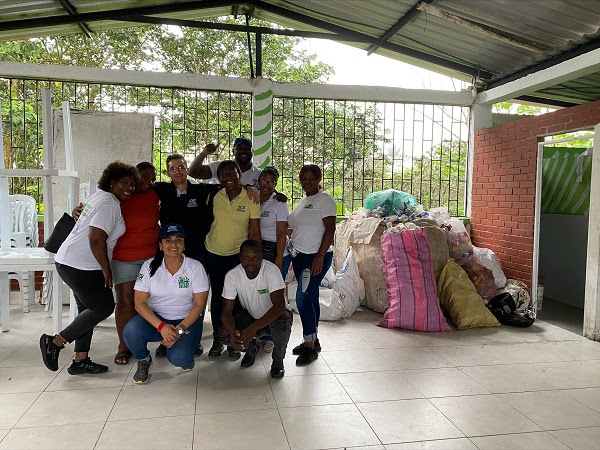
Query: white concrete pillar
[[262, 122], [480, 117], [591, 312]]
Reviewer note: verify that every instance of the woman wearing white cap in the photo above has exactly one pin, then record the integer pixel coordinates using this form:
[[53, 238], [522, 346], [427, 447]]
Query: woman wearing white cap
[[170, 297]]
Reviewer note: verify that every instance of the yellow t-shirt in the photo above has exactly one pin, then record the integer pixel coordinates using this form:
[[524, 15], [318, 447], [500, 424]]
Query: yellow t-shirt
[[230, 225]]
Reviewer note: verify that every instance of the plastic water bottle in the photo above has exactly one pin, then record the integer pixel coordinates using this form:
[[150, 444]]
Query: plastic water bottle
[[305, 279]]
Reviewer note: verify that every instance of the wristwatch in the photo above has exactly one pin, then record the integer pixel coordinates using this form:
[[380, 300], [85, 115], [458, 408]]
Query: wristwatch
[[182, 329]]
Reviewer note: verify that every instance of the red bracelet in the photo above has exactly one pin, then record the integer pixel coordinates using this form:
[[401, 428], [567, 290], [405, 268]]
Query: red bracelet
[[160, 327]]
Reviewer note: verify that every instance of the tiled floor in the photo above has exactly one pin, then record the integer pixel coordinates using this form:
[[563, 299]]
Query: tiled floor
[[370, 388]]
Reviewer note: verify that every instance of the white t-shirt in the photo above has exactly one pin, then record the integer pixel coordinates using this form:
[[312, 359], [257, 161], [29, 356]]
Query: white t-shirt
[[306, 220], [272, 212], [171, 296], [254, 295], [250, 176], [101, 210]]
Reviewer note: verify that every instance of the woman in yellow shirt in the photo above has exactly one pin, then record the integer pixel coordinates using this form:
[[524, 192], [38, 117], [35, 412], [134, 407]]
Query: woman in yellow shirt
[[236, 218]]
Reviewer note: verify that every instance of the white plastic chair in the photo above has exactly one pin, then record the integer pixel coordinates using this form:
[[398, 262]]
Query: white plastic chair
[[24, 233]]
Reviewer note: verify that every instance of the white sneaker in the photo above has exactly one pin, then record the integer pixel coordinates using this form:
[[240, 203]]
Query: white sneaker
[[268, 346]]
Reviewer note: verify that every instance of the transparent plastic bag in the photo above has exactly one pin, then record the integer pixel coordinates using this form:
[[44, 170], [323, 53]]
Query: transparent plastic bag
[[481, 277], [489, 259], [391, 201], [459, 242], [439, 214]]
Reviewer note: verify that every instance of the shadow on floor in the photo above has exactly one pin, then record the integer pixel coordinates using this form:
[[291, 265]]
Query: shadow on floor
[[562, 315]]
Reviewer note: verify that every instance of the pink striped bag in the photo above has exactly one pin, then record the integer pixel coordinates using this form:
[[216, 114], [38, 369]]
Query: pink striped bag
[[411, 287]]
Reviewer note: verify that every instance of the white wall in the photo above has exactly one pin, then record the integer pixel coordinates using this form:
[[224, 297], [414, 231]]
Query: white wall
[[100, 138], [563, 253]]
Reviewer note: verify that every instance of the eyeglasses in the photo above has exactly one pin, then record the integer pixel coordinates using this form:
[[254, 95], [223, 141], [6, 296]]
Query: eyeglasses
[[177, 169]]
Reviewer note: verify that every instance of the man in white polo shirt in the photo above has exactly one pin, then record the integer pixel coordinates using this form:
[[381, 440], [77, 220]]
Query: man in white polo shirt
[[258, 285]]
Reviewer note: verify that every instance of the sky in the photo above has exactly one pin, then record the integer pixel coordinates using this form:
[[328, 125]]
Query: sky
[[354, 66]]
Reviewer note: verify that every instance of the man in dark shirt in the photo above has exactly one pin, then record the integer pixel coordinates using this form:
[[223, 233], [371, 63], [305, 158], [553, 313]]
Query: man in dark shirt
[[186, 204]]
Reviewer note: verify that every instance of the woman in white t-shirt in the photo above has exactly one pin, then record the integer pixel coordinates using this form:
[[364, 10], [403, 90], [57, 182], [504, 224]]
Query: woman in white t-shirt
[[83, 262], [313, 225], [170, 296], [273, 221]]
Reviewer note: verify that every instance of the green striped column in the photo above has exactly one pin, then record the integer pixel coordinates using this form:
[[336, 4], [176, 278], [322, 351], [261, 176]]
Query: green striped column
[[262, 123]]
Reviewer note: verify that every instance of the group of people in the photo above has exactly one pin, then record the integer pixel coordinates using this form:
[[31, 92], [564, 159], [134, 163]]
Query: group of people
[[164, 245]]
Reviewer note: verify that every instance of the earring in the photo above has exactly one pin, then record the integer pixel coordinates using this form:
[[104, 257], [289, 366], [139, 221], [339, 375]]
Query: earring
[[160, 249]]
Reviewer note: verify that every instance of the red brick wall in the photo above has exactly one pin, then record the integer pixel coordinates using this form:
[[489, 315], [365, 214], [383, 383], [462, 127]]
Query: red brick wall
[[503, 195]]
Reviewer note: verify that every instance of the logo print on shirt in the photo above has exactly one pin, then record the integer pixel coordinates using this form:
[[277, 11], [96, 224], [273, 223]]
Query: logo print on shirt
[[263, 291], [184, 282], [140, 276], [265, 214], [87, 209], [310, 206], [192, 203], [241, 208]]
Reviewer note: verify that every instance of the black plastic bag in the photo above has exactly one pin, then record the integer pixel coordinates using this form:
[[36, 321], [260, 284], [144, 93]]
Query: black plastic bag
[[61, 231]]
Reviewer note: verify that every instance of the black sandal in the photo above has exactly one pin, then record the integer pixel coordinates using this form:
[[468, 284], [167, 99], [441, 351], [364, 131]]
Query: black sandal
[[122, 358]]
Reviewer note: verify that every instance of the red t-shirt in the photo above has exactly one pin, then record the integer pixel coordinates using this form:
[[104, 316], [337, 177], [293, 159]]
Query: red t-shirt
[[140, 213]]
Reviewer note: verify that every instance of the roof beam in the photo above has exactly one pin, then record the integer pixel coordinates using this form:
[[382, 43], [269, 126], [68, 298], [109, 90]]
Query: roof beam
[[233, 27], [114, 14], [540, 101], [362, 37], [579, 66], [383, 94], [410, 15], [72, 12], [582, 49]]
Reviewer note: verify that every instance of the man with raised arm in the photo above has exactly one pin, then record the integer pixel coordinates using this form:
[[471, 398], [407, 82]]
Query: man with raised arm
[[242, 154]]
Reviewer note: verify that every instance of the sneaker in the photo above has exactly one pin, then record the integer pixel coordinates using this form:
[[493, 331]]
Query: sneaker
[[216, 349], [161, 351], [251, 352], [199, 350], [277, 371], [233, 353], [86, 366], [141, 375], [307, 356], [298, 349], [50, 352], [268, 346], [188, 367]]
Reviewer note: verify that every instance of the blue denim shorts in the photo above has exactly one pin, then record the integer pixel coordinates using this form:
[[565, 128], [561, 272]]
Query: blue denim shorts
[[123, 272]]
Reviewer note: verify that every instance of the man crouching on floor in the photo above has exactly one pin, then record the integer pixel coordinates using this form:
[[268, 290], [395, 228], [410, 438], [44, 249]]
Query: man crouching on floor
[[258, 285]]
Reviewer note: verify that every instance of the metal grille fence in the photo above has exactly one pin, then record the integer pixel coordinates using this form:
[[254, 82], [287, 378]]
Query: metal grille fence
[[184, 119], [362, 147]]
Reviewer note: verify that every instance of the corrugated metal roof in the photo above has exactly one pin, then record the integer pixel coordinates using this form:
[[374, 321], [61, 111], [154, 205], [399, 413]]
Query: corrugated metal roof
[[557, 25]]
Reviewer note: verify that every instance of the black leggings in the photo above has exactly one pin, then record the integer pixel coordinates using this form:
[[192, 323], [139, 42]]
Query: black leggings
[[95, 302]]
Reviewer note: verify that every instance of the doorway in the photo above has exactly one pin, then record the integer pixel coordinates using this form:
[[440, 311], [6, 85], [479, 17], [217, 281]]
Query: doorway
[[562, 218]]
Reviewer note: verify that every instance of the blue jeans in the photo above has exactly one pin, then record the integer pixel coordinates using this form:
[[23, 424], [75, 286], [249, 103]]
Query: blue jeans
[[308, 302], [138, 332], [285, 265]]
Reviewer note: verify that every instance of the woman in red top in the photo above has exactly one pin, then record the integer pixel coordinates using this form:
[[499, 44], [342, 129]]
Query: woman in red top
[[139, 243]]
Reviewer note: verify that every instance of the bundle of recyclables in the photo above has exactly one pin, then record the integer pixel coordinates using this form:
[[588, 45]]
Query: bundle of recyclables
[[421, 269]]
